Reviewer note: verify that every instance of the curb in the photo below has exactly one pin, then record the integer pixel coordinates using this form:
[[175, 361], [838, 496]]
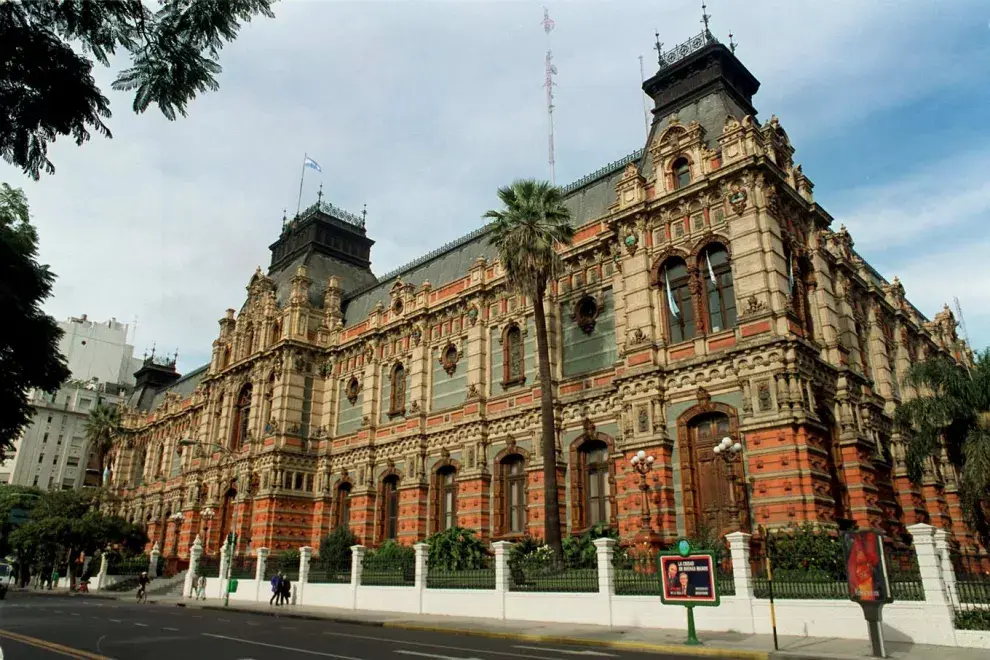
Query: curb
[[678, 649], [291, 615], [67, 594]]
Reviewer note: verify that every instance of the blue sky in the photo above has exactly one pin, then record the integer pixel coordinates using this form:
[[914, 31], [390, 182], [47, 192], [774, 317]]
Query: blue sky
[[422, 109]]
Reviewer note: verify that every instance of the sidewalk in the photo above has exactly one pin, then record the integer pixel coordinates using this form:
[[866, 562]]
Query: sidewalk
[[724, 644]]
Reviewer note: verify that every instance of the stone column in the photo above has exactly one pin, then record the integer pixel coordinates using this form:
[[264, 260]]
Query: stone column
[[419, 583], [941, 538], [156, 552], [928, 563], [357, 561], [604, 551], [259, 571], [101, 577], [195, 552], [305, 556], [742, 574], [225, 557], [502, 574]]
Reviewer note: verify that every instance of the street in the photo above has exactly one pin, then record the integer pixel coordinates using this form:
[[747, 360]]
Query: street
[[34, 627]]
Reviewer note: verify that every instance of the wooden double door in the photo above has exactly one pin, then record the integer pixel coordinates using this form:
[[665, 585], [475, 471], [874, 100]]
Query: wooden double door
[[715, 494]]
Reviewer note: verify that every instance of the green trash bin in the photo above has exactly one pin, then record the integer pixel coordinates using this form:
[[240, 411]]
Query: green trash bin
[[232, 586]]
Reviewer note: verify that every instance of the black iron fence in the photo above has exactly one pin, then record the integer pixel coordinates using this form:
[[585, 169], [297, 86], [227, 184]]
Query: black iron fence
[[389, 569], [286, 563], [541, 572], [636, 574], [117, 565], [480, 577], [209, 566], [972, 597], [243, 568], [333, 570]]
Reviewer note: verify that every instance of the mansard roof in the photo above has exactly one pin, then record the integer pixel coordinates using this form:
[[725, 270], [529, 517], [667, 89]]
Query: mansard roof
[[588, 198]]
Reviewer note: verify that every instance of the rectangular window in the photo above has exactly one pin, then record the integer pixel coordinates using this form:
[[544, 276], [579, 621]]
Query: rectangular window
[[35, 480], [72, 462], [307, 405], [41, 459], [45, 439]]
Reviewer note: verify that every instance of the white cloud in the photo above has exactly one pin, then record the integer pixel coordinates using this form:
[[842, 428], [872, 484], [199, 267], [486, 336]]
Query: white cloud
[[420, 110]]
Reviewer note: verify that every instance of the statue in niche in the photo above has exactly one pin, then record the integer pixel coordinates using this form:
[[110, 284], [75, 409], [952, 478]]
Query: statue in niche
[[643, 420]]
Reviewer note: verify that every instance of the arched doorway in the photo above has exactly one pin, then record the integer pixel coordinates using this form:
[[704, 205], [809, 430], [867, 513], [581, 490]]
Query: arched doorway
[[715, 493]]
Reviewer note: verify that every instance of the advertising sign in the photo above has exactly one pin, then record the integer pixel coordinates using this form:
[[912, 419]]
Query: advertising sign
[[688, 579], [866, 568]]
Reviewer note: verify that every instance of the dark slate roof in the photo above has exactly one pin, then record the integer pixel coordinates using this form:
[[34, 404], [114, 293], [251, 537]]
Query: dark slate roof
[[319, 268], [587, 198], [146, 398]]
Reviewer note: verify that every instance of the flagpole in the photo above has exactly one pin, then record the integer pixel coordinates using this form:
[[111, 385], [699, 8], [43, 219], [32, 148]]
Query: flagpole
[[301, 177]]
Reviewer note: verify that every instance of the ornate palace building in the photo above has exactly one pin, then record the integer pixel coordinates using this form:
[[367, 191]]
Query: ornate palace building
[[706, 295]]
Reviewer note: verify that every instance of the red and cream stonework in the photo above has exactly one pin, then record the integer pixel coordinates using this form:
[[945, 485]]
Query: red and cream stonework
[[806, 379]]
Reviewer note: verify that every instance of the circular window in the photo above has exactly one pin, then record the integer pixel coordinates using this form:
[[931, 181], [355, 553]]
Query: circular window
[[449, 359], [586, 313], [397, 307], [352, 390]]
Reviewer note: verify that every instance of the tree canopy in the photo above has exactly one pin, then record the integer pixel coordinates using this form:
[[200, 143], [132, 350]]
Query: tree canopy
[[47, 88], [29, 356], [102, 430], [952, 412]]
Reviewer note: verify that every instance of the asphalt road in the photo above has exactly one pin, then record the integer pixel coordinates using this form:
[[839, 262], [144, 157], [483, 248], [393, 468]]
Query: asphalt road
[[36, 627]]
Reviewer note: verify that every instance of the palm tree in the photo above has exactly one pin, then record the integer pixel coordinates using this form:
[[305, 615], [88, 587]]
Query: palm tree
[[952, 409], [527, 233], [102, 429]]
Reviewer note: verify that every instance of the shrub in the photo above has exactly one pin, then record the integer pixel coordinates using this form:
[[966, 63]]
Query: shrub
[[285, 562], [336, 546], [456, 549], [580, 551], [391, 551], [807, 548]]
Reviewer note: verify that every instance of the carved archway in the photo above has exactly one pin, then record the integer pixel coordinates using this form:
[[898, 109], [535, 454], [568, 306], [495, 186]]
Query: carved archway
[[576, 469], [438, 491], [500, 527], [715, 494]]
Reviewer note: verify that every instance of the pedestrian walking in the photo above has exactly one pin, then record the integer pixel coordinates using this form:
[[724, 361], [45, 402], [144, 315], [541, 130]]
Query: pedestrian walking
[[276, 590], [201, 588], [286, 589]]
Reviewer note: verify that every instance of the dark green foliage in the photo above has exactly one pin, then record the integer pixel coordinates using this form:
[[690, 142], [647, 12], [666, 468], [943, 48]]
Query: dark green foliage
[[972, 620], [805, 548], [456, 549], [533, 224], [29, 356], [102, 430], [580, 551], [523, 548], [391, 551], [952, 410], [47, 88], [336, 547], [285, 562]]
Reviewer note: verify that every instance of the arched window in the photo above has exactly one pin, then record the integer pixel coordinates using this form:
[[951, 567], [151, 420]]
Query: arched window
[[681, 170], [390, 507], [217, 418], [446, 498], [717, 273], [160, 461], [594, 468], [242, 414], [269, 399], [513, 357], [514, 487], [225, 357], [248, 340], [342, 513], [397, 393], [276, 333], [675, 282]]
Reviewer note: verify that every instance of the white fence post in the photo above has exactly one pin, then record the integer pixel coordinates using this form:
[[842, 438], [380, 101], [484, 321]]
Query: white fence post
[[225, 557], [945, 563], [357, 560], [502, 573], [742, 574], [259, 572], [101, 577], [156, 552], [195, 552], [928, 563], [419, 582], [604, 552], [305, 556]]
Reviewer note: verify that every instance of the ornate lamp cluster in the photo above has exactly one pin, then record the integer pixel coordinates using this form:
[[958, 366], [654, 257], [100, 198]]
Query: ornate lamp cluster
[[728, 449], [643, 463]]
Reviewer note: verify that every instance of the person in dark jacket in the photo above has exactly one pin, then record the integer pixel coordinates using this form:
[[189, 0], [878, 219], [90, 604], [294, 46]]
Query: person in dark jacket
[[276, 598], [286, 589]]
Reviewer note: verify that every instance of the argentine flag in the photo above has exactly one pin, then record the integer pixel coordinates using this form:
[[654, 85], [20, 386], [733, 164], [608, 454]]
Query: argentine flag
[[313, 165]]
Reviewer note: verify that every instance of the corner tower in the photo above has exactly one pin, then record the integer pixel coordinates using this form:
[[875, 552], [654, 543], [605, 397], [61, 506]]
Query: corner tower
[[329, 242]]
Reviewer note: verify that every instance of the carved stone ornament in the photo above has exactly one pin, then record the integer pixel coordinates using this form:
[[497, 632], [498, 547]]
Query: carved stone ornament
[[754, 306], [637, 337], [417, 335], [365, 421], [414, 406], [352, 390], [444, 454], [643, 420], [703, 396], [737, 198], [631, 241], [589, 428], [763, 396], [369, 354], [473, 392], [585, 313], [326, 368], [448, 359], [472, 314]]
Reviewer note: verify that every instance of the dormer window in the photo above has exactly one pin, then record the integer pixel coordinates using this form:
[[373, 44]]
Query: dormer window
[[682, 173]]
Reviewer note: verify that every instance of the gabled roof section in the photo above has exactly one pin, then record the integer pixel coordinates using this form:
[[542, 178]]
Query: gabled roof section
[[183, 387], [588, 198]]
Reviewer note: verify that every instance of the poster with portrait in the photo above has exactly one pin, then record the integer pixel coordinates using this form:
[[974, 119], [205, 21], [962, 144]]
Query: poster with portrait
[[687, 579], [866, 567]]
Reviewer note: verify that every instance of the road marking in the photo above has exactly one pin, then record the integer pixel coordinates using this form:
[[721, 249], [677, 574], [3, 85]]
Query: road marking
[[171, 629], [403, 642], [141, 625], [224, 620], [431, 655], [74, 613], [583, 652], [281, 648], [114, 620], [250, 623], [51, 646]]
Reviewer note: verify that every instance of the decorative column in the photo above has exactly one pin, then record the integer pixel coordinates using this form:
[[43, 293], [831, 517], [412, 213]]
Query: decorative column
[[259, 571], [357, 561], [305, 556], [225, 557], [101, 577], [742, 573], [502, 572], [195, 552], [156, 552], [928, 563], [604, 551], [420, 564]]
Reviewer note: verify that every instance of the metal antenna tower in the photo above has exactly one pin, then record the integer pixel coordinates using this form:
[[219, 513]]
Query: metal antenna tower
[[646, 112], [551, 71], [962, 321]]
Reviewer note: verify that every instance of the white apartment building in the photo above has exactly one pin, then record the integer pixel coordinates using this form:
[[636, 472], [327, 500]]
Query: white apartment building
[[52, 453]]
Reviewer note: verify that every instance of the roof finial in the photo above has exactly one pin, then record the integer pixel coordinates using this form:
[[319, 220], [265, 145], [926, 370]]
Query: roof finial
[[659, 48], [319, 195], [364, 214], [732, 44], [154, 345], [175, 358], [285, 220], [704, 17]]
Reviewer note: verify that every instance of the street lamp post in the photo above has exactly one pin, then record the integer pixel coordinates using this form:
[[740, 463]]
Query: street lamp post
[[647, 540], [176, 519], [729, 452], [207, 515]]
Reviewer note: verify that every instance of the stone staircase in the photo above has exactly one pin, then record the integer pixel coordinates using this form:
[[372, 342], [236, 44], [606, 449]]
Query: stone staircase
[[170, 586]]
